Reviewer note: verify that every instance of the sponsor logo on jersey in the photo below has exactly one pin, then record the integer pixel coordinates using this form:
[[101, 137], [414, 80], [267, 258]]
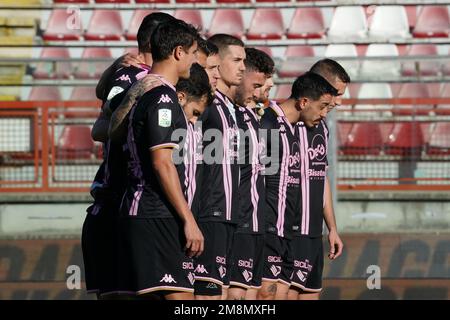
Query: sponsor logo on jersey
[[221, 260], [274, 259], [164, 98], [164, 117], [168, 279], [188, 265], [303, 264], [318, 149], [114, 92], [246, 263]]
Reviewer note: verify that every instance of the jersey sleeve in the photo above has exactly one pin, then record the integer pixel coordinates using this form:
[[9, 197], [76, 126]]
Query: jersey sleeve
[[163, 113]]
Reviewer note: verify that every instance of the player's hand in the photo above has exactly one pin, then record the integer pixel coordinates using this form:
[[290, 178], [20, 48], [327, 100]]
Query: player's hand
[[194, 239], [336, 245], [128, 59]]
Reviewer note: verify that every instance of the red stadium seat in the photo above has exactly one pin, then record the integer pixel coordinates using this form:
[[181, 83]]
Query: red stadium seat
[[293, 65], [446, 67], [343, 129], [444, 109], [307, 23], [432, 22], [135, 23], [227, 21], [233, 1], [47, 93], [439, 142], [273, 0], [411, 12], [193, 17], [70, 1], [429, 68], [75, 142], [191, 1], [83, 94], [413, 90], [406, 139], [105, 25], [88, 69], [385, 130], [266, 24], [57, 27], [283, 92], [112, 1], [52, 69], [363, 139]]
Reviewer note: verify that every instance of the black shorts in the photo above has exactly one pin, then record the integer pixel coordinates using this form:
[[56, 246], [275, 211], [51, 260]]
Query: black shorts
[[152, 258], [308, 263], [213, 264], [99, 243], [278, 261], [247, 260]]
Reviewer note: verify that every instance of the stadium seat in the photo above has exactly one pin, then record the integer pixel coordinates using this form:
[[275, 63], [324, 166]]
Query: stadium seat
[[413, 90], [432, 22], [227, 21], [190, 1], [75, 142], [406, 139], [379, 69], [57, 27], [70, 1], [446, 66], [343, 129], [374, 91], [266, 24], [45, 93], [444, 109], [425, 68], [112, 1], [83, 94], [411, 12], [135, 23], [385, 130], [344, 50], [439, 142], [233, 1], [293, 66], [52, 69], [105, 25], [283, 92], [193, 17], [273, 0], [389, 22], [348, 23], [363, 139], [93, 69], [307, 23]]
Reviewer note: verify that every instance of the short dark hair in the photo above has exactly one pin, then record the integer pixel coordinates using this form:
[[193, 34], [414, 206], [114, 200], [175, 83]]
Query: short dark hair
[[169, 35], [223, 41], [148, 25], [330, 69], [197, 85], [259, 61], [207, 47], [311, 85]]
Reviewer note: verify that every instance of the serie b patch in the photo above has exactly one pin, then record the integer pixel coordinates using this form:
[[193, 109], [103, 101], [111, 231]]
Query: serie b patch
[[164, 117]]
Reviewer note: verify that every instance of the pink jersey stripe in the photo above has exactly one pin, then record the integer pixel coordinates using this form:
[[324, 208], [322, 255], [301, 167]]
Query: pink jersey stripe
[[306, 192], [255, 174], [226, 164], [286, 181], [304, 158]]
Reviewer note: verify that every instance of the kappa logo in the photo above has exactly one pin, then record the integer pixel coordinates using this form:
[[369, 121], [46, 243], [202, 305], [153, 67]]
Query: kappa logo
[[222, 271], [191, 278], [301, 275], [124, 77], [247, 275], [276, 270], [201, 269], [165, 98], [168, 279]]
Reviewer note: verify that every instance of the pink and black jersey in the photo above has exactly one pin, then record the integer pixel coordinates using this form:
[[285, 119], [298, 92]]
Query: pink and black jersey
[[193, 160], [218, 198], [314, 164], [283, 185], [155, 121], [108, 185], [251, 184]]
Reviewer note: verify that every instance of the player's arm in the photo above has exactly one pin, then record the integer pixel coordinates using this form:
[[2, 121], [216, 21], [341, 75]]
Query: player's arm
[[117, 125], [99, 130], [336, 244], [124, 61], [168, 179]]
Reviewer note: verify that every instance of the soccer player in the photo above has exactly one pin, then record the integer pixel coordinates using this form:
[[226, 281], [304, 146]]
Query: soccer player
[[283, 187], [159, 235], [218, 194], [248, 243], [99, 229], [208, 58], [317, 203]]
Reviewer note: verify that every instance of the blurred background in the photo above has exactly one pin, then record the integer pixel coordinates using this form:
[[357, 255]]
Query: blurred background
[[390, 138]]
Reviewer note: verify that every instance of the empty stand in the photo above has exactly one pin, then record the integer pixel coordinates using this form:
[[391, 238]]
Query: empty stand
[[75, 142], [406, 139], [83, 94], [283, 92], [378, 69], [193, 17], [343, 129], [45, 93], [374, 91], [348, 23], [414, 90], [105, 25], [57, 27], [307, 23], [424, 68], [439, 142], [112, 1], [363, 139], [389, 22], [293, 66], [444, 109], [266, 24], [433, 21], [135, 23], [91, 69], [53, 69], [344, 50], [227, 21]]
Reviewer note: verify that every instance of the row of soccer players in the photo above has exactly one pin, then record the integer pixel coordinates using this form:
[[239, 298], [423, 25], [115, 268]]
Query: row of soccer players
[[168, 222]]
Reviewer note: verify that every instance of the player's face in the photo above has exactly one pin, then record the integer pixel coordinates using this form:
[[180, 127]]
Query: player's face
[[264, 91], [212, 69], [232, 65], [250, 87], [194, 108], [187, 58], [340, 87], [314, 111]]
